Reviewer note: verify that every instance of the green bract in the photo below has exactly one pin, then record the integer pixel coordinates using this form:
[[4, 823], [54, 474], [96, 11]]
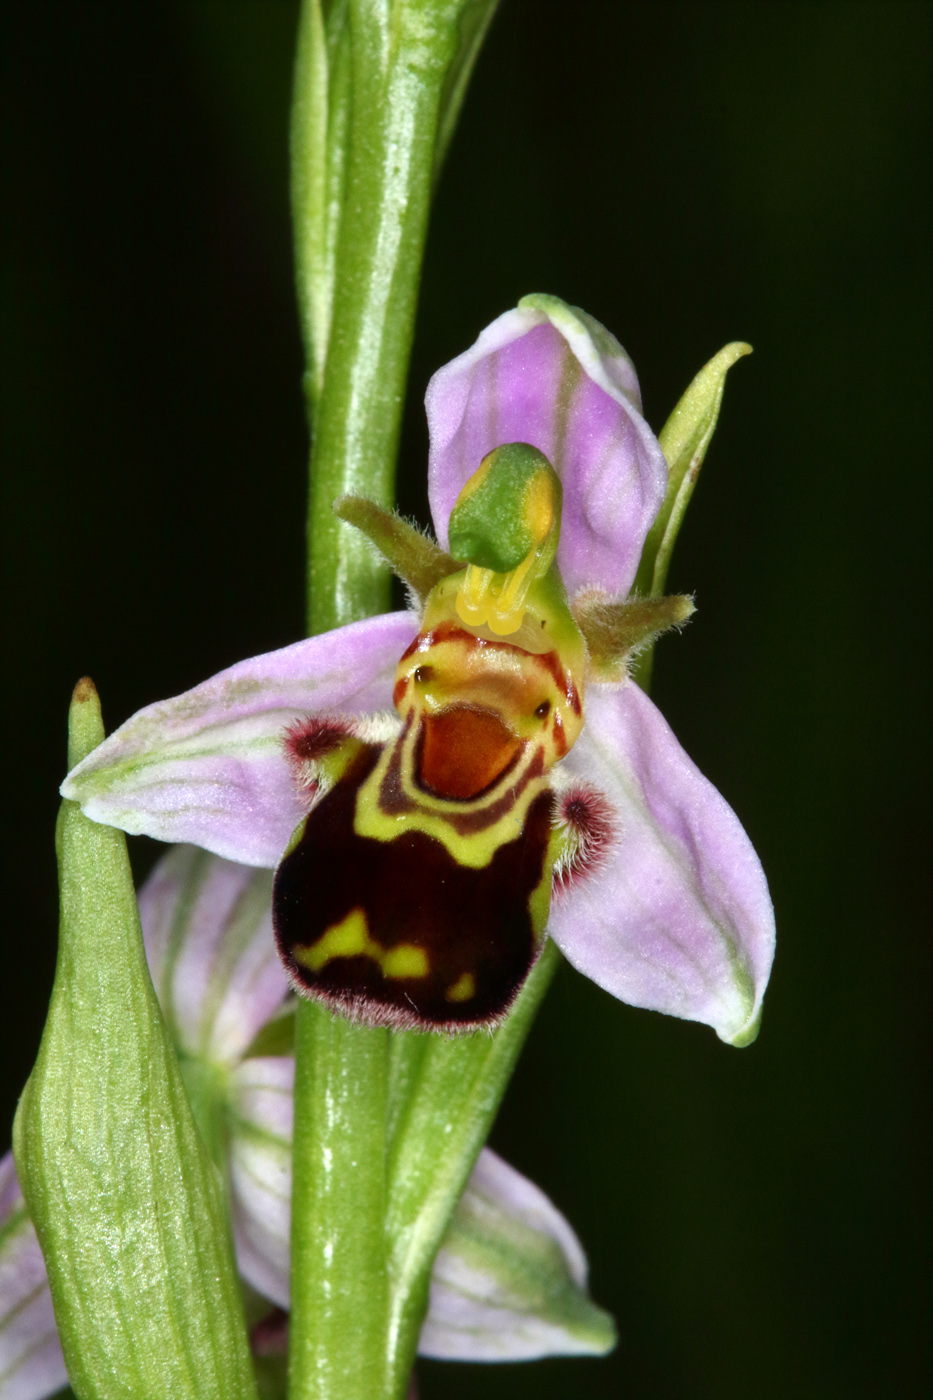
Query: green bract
[[124, 1198], [684, 439]]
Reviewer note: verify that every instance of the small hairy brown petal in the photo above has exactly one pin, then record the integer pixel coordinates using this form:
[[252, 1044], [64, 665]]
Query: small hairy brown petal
[[416, 559], [590, 822], [309, 740], [615, 630]]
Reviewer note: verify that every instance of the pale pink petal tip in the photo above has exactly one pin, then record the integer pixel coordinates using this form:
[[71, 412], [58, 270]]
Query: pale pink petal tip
[[262, 1112], [209, 766], [509, 1282], [677, 918]]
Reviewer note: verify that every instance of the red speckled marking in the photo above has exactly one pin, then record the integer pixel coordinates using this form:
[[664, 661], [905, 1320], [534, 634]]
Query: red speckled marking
[[592, 821], [549, 660], [310, 739]]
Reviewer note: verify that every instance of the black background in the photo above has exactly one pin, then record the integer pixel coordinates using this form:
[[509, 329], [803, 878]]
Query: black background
[[691, 174]]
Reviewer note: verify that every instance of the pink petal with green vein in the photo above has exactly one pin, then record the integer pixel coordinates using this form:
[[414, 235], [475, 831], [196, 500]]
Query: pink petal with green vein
[[208, 767], [261, 1115], [207, 926], [550, 375], [509, 1282], [678, 918], [31, 1361]]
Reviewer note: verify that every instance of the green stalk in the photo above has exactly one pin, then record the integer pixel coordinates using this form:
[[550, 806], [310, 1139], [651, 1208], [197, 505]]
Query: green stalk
[[377, 89], [387, 1127], [339, 1282]]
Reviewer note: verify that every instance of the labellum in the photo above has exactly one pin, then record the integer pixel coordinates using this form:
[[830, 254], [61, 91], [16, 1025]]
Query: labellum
[[415, 893]]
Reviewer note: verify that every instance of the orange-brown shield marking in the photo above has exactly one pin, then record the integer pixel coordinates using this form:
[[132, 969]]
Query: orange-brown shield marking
[[464, 751]]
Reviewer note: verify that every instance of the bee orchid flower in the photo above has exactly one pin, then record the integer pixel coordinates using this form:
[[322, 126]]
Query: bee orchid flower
[[442, 788]]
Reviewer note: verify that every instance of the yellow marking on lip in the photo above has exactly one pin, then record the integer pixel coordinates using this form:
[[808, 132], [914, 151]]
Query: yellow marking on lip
[[350, 939], [434, 815], [462, 989], [405, 960]]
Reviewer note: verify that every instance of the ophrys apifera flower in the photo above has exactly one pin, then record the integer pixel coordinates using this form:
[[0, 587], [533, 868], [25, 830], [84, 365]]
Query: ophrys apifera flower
[[524, 785]]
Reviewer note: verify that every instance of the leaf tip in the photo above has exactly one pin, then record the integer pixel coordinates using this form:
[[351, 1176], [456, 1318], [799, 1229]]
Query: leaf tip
[[85, 723], [734, 351]]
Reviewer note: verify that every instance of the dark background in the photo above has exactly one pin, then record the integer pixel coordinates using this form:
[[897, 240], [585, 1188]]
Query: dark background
[[691, 174]]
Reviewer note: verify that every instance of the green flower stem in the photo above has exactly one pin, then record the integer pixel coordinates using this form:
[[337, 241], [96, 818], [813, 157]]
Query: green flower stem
[[386, 166], [339, 1282], [377, 90], [122, 1192]]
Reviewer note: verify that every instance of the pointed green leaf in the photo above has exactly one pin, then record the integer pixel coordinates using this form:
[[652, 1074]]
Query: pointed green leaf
[[124, 1198], [319, 127], [474, 20], [684, 439]]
